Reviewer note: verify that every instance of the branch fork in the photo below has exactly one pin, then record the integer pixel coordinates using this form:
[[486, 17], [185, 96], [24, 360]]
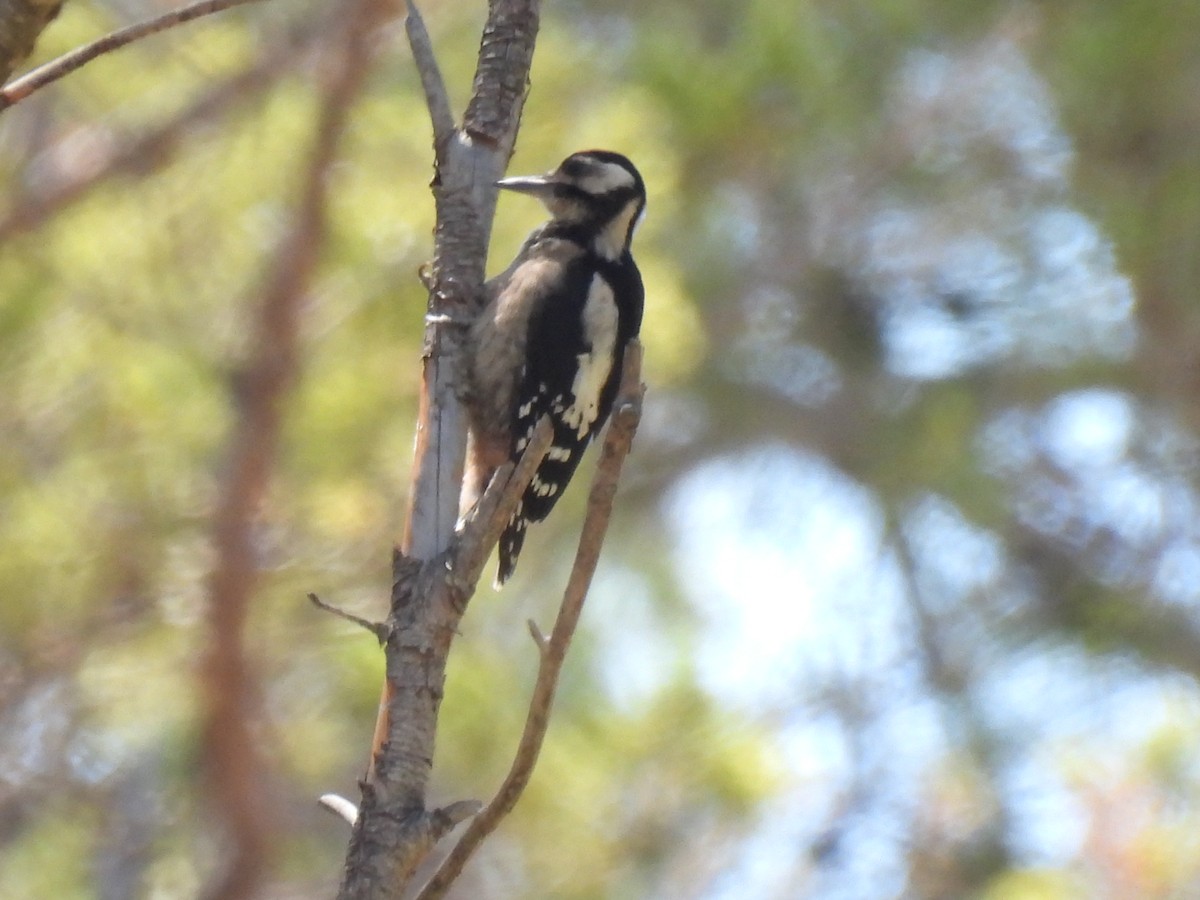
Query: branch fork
[[552, 650]]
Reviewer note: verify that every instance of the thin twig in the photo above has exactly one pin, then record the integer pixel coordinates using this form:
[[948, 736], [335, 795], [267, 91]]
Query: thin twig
[[17, 90], [436, 96], [379, 629], [616, 447], [459, 811], [543, 643]]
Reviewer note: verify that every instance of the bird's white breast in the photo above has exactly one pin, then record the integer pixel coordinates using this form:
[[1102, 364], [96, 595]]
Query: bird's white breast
[[600, 332]]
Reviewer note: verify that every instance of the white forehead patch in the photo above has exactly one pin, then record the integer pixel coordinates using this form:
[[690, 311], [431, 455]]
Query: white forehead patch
[[603, 177]]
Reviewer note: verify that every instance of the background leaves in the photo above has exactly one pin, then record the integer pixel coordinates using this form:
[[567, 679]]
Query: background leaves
[[900, 598]]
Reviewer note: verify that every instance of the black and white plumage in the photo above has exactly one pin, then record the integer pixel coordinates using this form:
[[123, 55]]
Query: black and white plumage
[[551, 340]]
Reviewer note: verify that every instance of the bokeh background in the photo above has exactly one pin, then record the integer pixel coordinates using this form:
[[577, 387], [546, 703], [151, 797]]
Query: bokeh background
[[901, 597]]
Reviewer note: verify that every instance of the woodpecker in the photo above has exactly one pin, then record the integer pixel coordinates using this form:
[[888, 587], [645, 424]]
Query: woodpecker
[[551, 340]]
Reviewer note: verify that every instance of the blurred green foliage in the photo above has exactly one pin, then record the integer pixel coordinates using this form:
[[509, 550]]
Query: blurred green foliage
[[124, 315]]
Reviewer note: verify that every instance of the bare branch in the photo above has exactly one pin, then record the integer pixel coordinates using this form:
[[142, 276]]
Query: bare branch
[[395, 831], [539, 639], [17, 90], [379, 629], [617, 443], [459, 811], [436, 97]]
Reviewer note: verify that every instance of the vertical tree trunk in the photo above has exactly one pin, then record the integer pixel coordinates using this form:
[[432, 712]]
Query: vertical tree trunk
[[394, 830]]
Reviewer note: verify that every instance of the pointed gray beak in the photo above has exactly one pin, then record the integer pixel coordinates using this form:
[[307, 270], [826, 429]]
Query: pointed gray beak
[[536, 185]]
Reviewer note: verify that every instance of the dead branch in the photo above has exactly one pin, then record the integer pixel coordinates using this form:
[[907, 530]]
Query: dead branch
[[553, 651], [436, 97], [379, 629], [234, 768], [16, 91]]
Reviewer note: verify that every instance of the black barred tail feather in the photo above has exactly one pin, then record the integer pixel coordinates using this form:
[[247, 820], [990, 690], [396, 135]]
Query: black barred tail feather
[[511, 542], [556, 470], [551, 340]]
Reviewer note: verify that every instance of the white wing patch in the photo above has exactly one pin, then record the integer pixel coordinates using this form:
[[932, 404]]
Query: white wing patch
[[543, 488], [600, 331]]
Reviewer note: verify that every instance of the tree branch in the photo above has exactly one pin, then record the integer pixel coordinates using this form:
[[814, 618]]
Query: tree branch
[[379, 629], [16, 91], [394, 830], [436, 97], [553, 651]]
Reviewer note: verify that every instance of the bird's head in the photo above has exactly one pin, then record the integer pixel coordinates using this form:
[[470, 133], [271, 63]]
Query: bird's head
[[597, 190]]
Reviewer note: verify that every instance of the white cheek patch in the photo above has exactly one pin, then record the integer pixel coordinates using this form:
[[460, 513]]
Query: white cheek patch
[[600, 331], [605, 177]]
